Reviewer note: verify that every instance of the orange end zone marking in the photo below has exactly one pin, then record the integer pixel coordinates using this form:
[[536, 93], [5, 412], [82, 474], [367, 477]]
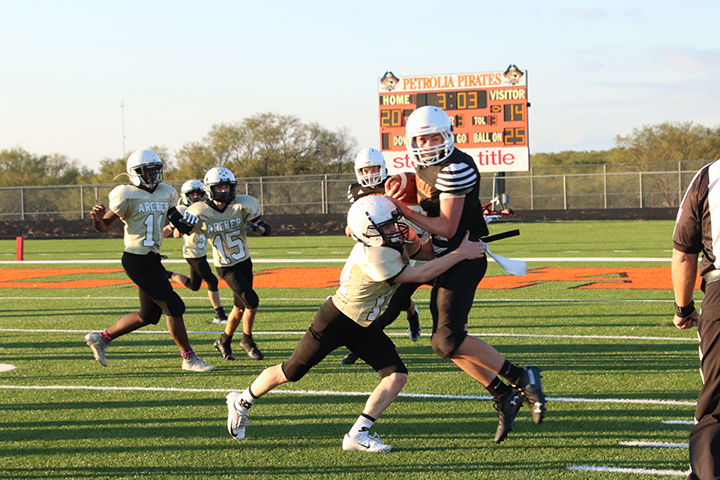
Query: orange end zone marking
[[652, 278]]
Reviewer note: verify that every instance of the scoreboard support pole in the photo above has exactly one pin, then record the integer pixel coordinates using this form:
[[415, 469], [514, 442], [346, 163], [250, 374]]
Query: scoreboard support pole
[[499, 198]]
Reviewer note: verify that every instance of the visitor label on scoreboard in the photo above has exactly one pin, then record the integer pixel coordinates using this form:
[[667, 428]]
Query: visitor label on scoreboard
[[488, 112]]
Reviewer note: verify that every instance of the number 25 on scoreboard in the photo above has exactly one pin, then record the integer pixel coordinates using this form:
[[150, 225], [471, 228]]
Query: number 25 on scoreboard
[[514, 136]]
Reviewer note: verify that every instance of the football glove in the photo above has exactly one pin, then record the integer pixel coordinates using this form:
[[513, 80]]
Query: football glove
[[189, 219]]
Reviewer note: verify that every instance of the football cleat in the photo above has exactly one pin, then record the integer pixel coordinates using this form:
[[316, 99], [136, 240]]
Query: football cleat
[[364, 442], [217, 320], [414, 329], [224, 348], [530, 388], [507, 407], [251, 349], [237, 419], [196, 364], [98, 346], [349, 359]]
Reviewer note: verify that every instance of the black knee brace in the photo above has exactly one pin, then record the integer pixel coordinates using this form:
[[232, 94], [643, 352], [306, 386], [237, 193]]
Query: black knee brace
[[248, 299]]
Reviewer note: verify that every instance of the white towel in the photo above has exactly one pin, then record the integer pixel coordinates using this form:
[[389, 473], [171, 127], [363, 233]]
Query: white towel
[[513, 267]]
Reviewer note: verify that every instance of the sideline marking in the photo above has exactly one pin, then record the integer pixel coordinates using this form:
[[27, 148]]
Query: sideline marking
[[678, 422], [421, 300], [390, 334], [336, 393], [342, 260], [580, 278], [654, 444], [641, 471]]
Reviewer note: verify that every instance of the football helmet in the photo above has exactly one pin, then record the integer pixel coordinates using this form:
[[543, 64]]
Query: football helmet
[[191, 186], [374, 221], [370, 157], [145, 168], [220, 176], [429, 120]]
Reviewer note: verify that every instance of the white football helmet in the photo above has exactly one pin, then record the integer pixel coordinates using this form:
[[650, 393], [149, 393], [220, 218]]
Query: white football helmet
[[220, 176], [191, 186], [427, 121], [145, 168], [374, 221], [370, 157]]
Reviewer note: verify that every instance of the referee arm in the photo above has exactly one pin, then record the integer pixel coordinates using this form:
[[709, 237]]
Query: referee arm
[[684, 275]]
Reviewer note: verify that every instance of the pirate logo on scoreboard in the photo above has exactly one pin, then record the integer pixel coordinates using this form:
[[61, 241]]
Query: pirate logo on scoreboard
[[389, 81], [513, 75]]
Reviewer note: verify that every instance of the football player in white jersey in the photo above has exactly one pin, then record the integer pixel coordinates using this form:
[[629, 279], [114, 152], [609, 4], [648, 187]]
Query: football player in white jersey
[[376, 266], [224, 219], [371, 173], [195, 250], [144, 207], [448, 186]]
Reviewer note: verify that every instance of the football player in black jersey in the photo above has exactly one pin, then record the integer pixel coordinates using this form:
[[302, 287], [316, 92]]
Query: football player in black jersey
[[371, 173], [448, 185]]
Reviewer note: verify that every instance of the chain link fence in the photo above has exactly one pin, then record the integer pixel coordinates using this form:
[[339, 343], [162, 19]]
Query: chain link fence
[[543, 188]]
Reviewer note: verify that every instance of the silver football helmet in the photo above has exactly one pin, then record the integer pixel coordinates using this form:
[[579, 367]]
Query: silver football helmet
[[190, 187], [374, 221], [145, 168], [370, 157], [220, 176], [429, 120]]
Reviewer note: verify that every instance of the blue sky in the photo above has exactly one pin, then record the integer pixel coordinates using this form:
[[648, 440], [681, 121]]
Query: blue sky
[[595, 69]]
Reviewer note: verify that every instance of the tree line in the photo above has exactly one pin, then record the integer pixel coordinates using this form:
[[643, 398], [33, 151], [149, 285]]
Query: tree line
[[269, 144]]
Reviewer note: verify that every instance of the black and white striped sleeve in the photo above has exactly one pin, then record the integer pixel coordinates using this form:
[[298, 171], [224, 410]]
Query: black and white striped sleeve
[[456, 179]]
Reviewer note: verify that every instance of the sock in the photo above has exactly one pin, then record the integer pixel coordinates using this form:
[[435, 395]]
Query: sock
[[225, 338], [105, 336], [363, 424], [247, 338], [245, 400], [510, 372], [220, 312], [188, 355], [497, 388]]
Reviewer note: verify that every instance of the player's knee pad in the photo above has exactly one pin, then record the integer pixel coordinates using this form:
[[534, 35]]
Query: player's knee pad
[[294, 371], [444, 345], [175, 305], [248, 299], [212, 285], [150, 316], [399, 369]]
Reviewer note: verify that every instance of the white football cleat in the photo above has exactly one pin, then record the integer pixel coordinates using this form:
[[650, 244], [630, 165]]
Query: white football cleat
[[362, 441], [98, 346], [237, 420], [196, 364]]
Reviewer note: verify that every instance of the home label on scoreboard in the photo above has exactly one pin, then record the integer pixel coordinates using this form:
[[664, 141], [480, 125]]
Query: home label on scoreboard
[[488, 112]]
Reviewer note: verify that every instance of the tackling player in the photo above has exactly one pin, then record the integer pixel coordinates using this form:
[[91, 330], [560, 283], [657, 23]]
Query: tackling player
[[376, 266], [144, 207], [448, 184], [223, 219], [195, 250], [371, 174]]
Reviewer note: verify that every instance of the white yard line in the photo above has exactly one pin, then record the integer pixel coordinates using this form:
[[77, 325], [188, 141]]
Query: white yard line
[[342, 260], [640, 471]]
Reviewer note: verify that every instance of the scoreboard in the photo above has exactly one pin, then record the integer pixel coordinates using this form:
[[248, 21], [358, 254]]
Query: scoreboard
[[488, 112]]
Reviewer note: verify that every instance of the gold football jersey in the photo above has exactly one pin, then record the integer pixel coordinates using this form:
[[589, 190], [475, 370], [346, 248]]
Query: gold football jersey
[[225, 231], [144, 215], [194, 244], [364, 287]]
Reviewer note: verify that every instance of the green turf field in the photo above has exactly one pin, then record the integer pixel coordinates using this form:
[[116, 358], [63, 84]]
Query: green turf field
[[614, 369]]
